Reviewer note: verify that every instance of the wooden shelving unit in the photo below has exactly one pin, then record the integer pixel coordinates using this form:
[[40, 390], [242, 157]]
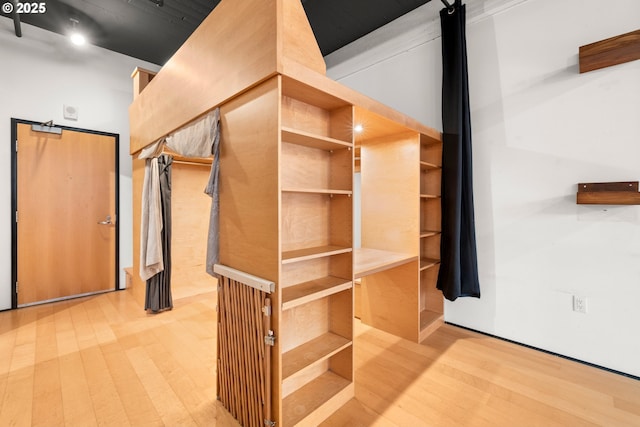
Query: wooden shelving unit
[[400, 254], [316, 157], [608, 193], [287, 159], [431, 303]]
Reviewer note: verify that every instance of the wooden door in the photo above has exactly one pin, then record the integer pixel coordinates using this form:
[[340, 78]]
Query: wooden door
[[66, 189]]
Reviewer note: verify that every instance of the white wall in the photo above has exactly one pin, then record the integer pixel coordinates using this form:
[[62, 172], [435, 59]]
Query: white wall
[[38, 74], [539, 128]]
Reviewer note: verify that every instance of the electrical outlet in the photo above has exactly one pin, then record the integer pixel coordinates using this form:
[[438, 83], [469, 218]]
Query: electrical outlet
[[579, 304]]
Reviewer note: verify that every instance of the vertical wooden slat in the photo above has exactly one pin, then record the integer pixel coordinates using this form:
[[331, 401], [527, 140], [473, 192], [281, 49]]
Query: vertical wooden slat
[[243, 362]]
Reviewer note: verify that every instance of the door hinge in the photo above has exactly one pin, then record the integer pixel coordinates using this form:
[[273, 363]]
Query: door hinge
[[270, 339], [16, 216], [16, 287], [16, 145]]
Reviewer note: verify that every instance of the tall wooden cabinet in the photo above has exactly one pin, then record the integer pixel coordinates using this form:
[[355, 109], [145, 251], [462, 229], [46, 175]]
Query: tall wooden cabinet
[[286, 195]]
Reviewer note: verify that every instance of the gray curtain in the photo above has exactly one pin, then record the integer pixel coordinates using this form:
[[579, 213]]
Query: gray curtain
[[158, 291], [213, 238]]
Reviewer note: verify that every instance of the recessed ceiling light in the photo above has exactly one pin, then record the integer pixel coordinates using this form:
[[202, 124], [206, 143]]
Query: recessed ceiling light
[[358, 128], [78, 39]]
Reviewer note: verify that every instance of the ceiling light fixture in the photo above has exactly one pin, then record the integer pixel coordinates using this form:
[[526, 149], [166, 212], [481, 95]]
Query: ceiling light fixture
[[76, 37], [358, 128]]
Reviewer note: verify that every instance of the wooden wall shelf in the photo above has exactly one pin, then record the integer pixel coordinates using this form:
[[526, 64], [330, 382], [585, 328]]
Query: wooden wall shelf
[[612, 51], [608, 193]]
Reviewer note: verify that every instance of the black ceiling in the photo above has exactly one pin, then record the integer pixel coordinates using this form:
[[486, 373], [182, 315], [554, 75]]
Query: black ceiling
[[144, 30]]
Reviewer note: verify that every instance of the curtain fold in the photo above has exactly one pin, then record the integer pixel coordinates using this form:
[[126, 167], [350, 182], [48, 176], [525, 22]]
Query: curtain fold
[[158, 291], [212, 190], [458, 275]]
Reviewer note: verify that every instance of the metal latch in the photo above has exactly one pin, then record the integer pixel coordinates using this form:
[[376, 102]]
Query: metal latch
[[269, 423], [270, 339]]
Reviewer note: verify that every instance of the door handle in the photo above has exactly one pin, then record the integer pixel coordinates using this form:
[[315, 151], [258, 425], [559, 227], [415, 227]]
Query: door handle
[[107, 221]]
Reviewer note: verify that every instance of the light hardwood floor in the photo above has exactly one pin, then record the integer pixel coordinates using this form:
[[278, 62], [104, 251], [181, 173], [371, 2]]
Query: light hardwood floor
[[103, 361]]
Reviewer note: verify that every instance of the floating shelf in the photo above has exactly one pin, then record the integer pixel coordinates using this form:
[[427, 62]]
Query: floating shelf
[[608, 193], [612, 51]]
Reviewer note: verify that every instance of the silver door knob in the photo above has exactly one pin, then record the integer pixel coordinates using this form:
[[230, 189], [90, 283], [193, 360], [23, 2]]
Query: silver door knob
[[107, 221]]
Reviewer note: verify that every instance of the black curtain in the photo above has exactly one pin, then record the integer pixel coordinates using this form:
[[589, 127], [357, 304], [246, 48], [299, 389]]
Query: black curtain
[[158, 292], [458, 276]]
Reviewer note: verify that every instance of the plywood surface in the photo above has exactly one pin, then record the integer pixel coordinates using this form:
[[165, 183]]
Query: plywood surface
[[612, 51], [390, 300], [66, 187], [249, 179], [368, 261], [390, 181], [190, 208]]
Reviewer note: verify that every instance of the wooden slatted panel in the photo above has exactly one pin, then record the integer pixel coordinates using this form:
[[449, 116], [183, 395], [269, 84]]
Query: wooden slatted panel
[[243, 362]]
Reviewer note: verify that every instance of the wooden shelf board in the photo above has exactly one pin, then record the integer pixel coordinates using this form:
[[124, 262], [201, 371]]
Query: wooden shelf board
[[301, 403], [608, 198], [368, 261], [312, 253], [299, 137], [427, 165], [428, 140], [429, 322], [312, 290], [428, 263], [317, 191], [429, 196], [612, 51], [312, 352], [428, 233]]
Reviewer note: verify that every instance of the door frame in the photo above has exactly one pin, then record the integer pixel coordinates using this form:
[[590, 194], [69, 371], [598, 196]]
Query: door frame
[[14, 200]]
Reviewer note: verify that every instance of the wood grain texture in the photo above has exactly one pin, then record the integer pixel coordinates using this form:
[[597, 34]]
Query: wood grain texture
[[390, 300], [612, 51], [608, 198], [455, 378], [249, 182], [368, 261], [390, 189], [241, 43], [66, 186], [588, 187], [190, 209]]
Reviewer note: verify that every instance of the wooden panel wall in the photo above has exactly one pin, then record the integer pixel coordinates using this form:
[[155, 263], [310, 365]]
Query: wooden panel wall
[[249, 188], [240, 44], [250, 193], [190, 211], [390, 188]]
